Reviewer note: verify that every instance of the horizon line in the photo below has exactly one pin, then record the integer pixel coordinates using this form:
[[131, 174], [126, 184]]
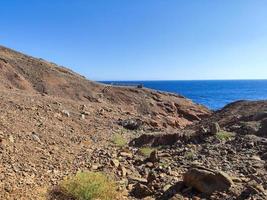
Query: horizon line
[[184, 80]]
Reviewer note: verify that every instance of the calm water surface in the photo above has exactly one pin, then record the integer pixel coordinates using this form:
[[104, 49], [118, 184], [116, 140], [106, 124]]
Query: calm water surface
[[213, 94]]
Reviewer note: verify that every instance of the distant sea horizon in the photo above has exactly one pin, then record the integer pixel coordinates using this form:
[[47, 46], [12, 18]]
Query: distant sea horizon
[[214, 94]]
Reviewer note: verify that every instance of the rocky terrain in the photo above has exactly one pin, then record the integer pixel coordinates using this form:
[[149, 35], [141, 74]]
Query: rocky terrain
[[156, 145]]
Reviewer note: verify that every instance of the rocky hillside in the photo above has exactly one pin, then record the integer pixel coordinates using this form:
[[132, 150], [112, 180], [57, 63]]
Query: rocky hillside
[[36, 76], [155, 145], [221, 157], [52, 119]]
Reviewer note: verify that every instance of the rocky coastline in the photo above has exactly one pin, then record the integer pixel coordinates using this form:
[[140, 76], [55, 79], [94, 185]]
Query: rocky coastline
[[155, 145]]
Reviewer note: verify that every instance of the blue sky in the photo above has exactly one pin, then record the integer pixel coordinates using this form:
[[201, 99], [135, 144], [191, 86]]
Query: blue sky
[[142, 39]]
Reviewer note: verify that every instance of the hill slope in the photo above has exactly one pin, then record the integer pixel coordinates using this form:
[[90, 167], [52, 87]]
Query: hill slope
[[26, 73], [54, 122], [52, 119]]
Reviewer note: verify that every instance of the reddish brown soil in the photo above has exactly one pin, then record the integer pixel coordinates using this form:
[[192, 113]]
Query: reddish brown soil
[[51, 117]]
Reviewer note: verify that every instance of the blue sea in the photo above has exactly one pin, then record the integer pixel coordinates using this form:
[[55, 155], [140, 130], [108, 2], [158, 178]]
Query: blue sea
[[213, 94]]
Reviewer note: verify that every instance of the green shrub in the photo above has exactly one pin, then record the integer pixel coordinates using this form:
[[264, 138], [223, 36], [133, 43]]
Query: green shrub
[[89, 186], [119, 140], [224, 135], [189, 155], [146, 151]]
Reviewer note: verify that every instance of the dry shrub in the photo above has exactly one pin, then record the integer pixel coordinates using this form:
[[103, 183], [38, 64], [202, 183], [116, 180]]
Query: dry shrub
[[89, 186], [118, 140]]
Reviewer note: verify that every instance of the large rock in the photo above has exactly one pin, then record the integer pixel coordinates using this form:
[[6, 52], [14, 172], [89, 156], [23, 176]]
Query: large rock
[[264, 156], [263, 129], [260, 115], [154, 157], [207, 181], [130, 124], [250, 127], [253, 191], [140, 191]]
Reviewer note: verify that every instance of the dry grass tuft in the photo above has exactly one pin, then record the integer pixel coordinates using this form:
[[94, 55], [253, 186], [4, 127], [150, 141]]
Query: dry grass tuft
[[89, 186], [118, 140], [146, 151], [224, 135]]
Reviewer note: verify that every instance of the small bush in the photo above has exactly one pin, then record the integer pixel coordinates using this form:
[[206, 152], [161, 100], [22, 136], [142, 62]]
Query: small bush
[[224, 135], [119, 140], [89, 186], [189, 155], [146, 151]]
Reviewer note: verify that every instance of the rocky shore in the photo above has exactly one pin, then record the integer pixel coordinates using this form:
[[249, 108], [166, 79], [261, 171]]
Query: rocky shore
[[155, 145]]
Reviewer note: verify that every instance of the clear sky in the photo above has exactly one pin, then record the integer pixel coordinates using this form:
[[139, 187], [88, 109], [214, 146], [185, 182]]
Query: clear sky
[[142, 39]]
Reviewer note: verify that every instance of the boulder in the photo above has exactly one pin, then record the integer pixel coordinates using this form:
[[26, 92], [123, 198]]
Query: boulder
[[255, 139], [154, 156], [177, 197], [130, 124], [260, 115], [207, 181], [141, 191], [251, 127], [264, 156], [253, 191], [263, 129]]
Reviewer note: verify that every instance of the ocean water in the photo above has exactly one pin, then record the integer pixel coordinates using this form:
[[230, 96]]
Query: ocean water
[[213, 94]]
